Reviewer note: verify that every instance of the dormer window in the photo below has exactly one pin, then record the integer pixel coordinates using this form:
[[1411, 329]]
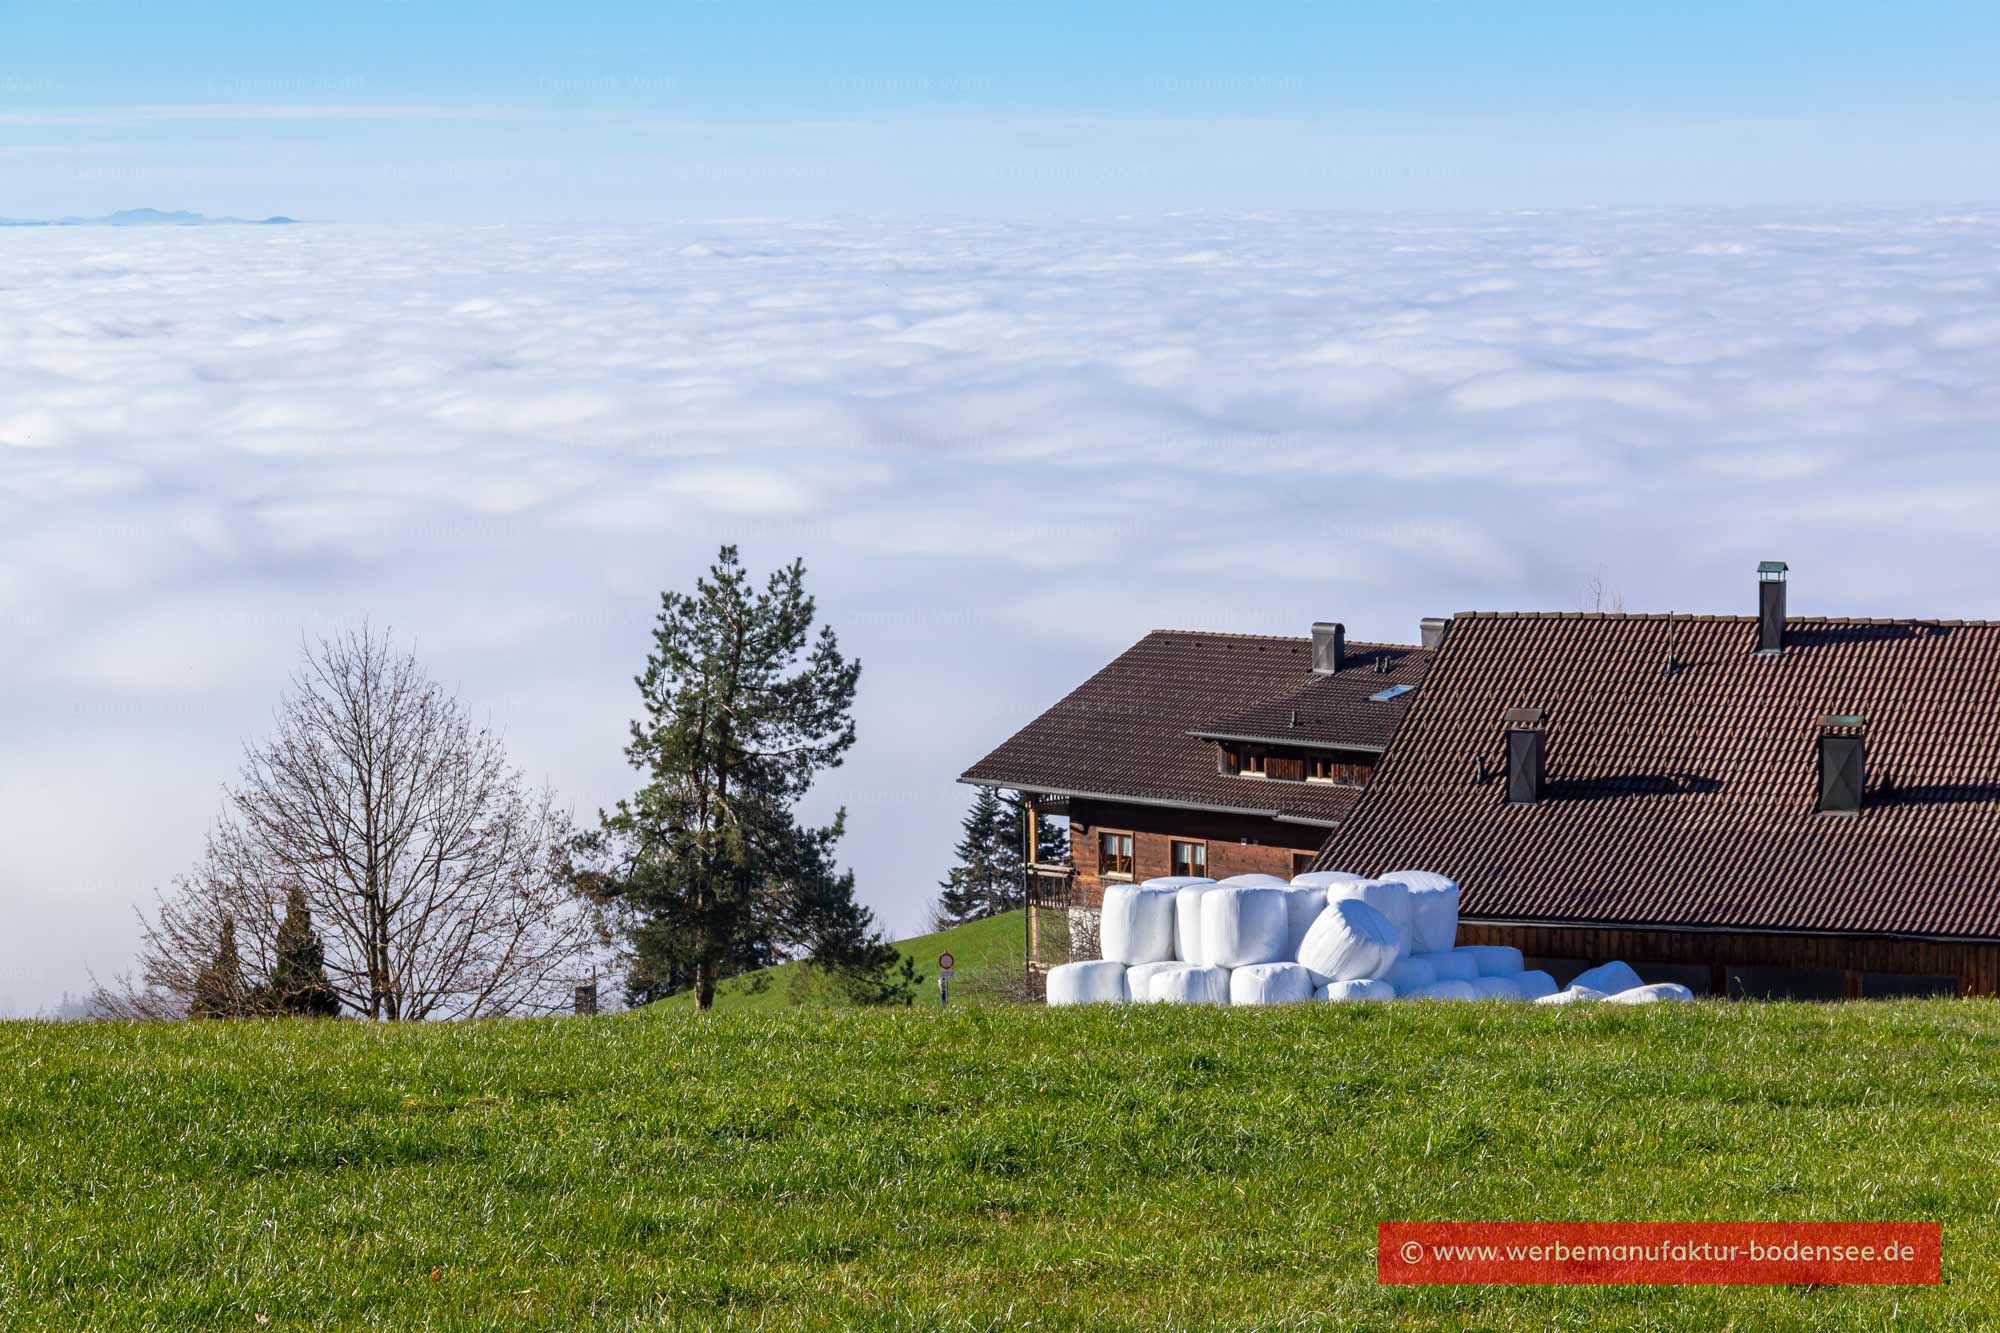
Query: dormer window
[[1250, 764]]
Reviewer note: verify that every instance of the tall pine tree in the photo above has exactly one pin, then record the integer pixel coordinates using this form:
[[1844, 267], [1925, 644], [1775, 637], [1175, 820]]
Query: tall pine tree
[[987, 877], [977, 882], [744, 707]]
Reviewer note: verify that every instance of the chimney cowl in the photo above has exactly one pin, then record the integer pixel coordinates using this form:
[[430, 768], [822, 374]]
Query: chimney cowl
[[1433, 629], [1329, 647], [1771, 576]]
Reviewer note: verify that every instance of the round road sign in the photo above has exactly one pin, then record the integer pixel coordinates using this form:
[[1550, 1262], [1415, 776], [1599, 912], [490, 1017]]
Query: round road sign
[[944, 962]]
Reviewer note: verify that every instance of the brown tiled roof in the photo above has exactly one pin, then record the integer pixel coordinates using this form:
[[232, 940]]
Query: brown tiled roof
[[1338, 709], [1686, 797], [1124, 732]]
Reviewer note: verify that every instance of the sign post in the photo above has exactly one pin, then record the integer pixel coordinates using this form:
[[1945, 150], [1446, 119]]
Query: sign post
[[945, 960]]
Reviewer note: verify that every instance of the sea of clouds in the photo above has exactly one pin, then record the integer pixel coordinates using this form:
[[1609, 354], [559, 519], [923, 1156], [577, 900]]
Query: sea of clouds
[[1004, 450]]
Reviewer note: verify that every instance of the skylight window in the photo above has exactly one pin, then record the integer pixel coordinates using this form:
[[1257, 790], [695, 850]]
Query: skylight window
[[1393, 692]]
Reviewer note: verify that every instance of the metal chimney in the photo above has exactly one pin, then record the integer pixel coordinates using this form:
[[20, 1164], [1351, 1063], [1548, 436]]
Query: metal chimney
[[1771, 607], [1433, 629], [1329, 647]]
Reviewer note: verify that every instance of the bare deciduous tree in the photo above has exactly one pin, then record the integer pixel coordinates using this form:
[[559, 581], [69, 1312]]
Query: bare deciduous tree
[[435, 875], [1600, 596]]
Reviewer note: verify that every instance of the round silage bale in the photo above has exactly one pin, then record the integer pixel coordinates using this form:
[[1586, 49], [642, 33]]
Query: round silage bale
[[1493, 960], [1610, 978], [1350, 941], [1433, 909], [1451, 965], [1303, 904], [1336, 992], [1389, 897], [1534, 985], [1243, 925], [1095, 982], [1408, 974], [1137, 924], [1270, 983], [1142, 980], [1193, 984]]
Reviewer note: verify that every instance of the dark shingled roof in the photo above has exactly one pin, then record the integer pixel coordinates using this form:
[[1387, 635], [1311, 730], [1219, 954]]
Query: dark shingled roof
[[1125, 731], [1686, 797], [1335, 710]]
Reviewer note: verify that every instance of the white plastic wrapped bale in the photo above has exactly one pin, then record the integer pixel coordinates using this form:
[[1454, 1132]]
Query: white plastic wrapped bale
[[1653, 994], [1327, 879], [1433, 909], [1388, 896], [1257, 882], [1410, 974], [1573, 995], [1493, 960], [1534, 985], [1242, 925], [1192, 984], [1451, 965], [1444, 990], [1270, 983], [1493, 988], [1609, 978], [1339, 991], [1303, 904], [1350, 941], [1187, 921], [1175, 881], [1096, 982], [1141, 981], [1137, 925]]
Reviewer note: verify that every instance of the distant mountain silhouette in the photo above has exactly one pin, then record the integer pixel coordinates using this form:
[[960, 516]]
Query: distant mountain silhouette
[[146, 217]]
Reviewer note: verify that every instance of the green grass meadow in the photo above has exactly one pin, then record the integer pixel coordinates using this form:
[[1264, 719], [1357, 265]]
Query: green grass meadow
[[984, 1167]]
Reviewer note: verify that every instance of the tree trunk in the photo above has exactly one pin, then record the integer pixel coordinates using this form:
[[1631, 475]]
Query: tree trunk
[[704, 984]]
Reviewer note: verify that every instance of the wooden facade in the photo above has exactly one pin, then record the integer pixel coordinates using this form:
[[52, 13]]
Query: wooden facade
[[1746, 963], [1233, 844]]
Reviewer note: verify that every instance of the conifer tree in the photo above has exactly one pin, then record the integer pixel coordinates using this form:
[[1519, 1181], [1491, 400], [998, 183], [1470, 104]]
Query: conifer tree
[[745, 706], [298, 972], [219, 991]]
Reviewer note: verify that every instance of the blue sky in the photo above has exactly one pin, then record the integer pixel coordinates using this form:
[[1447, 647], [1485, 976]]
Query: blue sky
[[450, 110]]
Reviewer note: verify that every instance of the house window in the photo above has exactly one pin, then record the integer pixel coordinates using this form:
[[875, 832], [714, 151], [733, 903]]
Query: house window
[[1250, 764], [1321, 769], [1302, 862], [1114, 854], [1190, 858]]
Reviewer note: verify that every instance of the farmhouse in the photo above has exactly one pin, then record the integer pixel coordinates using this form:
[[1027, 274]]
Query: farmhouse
[[1202, 754], [1748, 805]]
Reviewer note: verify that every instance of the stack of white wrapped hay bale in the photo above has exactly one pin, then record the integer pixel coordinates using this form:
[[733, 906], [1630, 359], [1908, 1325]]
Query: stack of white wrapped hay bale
[[1256, 939]]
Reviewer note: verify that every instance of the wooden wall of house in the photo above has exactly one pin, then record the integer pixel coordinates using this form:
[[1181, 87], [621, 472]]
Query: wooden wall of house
[[1237, 844], [1974, 966]]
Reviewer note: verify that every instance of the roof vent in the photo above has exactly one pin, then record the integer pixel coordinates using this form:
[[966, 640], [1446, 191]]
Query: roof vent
[[1329, 647], [1526, 732], [1433, 629], [1771, 607]]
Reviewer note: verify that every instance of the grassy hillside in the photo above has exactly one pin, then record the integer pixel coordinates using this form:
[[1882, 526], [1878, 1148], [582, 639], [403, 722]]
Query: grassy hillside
[[985, 1167], [986, 956]]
